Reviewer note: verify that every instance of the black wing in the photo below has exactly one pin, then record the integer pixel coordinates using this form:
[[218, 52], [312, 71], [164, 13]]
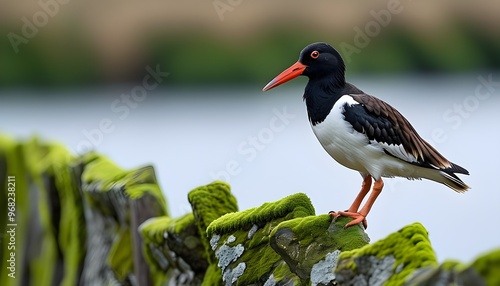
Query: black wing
[[385, 125]]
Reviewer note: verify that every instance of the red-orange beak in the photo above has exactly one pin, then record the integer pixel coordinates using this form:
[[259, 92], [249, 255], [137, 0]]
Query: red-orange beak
[[290, 73]]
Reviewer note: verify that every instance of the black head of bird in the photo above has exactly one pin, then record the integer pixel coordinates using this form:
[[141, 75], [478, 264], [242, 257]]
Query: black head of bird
[[319, 62]]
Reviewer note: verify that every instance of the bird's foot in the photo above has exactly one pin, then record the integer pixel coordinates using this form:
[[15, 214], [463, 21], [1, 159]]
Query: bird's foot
[[357, 218]]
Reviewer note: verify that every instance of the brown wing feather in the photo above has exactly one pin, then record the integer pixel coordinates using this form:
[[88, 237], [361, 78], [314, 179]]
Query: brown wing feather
[[412, 142]]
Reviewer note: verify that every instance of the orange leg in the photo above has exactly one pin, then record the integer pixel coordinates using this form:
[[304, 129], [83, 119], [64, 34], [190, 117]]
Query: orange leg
[[365, 187], [360, 216]]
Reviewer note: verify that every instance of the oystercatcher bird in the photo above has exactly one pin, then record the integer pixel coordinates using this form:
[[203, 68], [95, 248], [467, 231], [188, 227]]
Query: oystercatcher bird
[[362, 132]]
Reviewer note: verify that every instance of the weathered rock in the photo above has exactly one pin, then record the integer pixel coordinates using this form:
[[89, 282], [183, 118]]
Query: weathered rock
[[49, 215], [294, 246], [209, 203], [391, 260], [116, 202], [240, 242], [484, 271], [12, 164], [174, 250], [442, 276], [311, 245]]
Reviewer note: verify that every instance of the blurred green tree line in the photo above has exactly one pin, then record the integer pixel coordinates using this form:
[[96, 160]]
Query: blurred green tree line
[[61, 53]]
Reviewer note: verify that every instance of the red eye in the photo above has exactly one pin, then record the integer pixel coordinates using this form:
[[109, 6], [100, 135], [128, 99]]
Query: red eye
[[315, 54]]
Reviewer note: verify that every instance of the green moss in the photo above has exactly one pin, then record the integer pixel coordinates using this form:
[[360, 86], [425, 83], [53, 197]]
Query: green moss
[[302, 242], [153, 230], [166, 241], [213, 276], [99, 169], [410, 246], [259, 257], [251, 230], [12, 164], [120, 255], [46, 168], [101, 174], [105, 185], [297, 205], [281, 271], [209, 203], [282, 274], [451, 265], [179, 224], [153, 234], [311, 228], [488, 266], [307, 228], [141, 181], [72, 233], [47, 165]]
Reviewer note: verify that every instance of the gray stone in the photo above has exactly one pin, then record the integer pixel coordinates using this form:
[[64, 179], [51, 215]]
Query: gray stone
[[227, 254], [322, 272], [230, 276], [214, 240]]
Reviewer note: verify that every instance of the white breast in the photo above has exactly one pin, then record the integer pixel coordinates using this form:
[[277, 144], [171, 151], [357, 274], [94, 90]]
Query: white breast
[[353, 149]]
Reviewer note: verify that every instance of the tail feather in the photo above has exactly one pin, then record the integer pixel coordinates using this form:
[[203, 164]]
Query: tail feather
[[456, 169], [452, 181]]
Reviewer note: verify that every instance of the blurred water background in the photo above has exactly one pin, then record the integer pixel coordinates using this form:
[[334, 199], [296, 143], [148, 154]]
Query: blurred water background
[[178, 85]]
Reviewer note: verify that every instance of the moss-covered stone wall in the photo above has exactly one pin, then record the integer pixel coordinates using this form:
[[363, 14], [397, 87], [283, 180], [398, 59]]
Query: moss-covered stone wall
[[85, 221]]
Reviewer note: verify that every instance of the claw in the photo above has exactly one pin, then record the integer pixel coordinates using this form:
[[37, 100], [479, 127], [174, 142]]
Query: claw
[[333, 214], [357, 218]]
